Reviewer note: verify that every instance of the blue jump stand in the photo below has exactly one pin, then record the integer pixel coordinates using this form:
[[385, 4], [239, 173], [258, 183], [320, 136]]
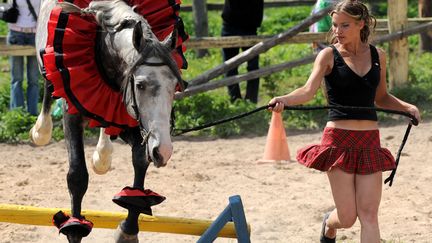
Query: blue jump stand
[[232, 213]]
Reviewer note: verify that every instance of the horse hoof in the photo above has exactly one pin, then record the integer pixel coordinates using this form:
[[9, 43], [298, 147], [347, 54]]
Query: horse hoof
[[101, 164], [122, 237], [40, 133]]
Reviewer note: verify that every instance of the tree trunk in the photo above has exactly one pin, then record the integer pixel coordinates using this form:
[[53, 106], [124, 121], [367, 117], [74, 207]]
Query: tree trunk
[[425, 10], [201, 22]]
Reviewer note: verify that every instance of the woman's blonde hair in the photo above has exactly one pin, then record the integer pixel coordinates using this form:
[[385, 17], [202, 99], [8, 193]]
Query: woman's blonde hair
[[359, 11]]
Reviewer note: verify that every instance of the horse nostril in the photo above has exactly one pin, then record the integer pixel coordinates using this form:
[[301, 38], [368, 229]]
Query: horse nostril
[[156, 155]]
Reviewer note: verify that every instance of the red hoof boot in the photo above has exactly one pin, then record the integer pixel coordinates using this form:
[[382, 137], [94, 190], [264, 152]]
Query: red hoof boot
[[137, 199], [71, 225]]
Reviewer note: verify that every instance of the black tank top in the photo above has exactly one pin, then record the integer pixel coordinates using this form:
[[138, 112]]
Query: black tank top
[[346, 88]]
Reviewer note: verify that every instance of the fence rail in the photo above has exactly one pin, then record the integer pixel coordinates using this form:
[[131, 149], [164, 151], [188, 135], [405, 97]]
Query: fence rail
[[229, 41]]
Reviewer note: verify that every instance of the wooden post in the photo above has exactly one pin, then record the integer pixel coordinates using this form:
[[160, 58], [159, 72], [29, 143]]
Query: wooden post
[[201, 22], [425, 10], [398, 58]]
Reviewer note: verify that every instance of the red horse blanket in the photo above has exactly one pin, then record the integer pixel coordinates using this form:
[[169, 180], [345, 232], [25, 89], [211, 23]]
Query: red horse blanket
[[69, 61]]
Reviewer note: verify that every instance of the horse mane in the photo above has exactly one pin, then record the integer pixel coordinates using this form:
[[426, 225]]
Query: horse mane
[[112, 16]]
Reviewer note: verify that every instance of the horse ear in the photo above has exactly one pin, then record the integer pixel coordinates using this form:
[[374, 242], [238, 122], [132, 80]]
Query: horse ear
[[137, 36], [171, 40]]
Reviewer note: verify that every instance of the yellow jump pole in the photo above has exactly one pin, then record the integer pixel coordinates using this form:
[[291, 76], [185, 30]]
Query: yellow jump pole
[[109, 220]]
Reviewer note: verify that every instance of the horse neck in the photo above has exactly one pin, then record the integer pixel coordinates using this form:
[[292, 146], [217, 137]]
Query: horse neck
[[110, 65]]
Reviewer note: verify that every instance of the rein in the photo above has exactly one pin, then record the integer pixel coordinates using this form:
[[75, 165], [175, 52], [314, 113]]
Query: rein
[[414, 121]]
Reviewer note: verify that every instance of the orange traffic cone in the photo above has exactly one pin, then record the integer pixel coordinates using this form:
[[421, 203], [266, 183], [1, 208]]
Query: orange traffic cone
[[276, 149]]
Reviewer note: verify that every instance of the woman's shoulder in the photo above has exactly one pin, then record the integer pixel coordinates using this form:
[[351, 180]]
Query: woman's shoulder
[[325, 59], [326, 54], [380, 51]]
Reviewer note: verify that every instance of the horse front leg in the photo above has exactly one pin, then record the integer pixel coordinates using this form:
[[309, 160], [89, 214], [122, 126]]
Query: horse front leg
[[75, 227], [101, 160], [40, 133], [127, 232]]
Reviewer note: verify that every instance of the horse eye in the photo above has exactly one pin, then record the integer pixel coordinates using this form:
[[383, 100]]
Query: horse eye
[[140, 86]]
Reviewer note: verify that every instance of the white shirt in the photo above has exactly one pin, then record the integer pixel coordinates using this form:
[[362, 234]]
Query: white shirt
[[25, 18]]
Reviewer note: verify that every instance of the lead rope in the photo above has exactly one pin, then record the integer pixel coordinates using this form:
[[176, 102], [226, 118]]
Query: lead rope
[[414, 121]]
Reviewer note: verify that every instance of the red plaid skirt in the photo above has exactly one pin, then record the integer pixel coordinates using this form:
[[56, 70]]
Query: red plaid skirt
[[357, 152]]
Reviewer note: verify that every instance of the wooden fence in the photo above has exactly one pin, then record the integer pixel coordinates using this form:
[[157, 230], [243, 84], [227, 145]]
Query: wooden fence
[[203, 86], [230, 41]]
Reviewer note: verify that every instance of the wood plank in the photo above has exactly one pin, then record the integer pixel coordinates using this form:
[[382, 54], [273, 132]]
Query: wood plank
[[29, 215], [239, 41], [222, 42], [16, 50]]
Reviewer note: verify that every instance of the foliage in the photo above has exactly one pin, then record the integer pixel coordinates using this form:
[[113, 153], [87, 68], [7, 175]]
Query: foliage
[[379, 8], [276, 21], [14, 125], [205, 108], [4, 97]]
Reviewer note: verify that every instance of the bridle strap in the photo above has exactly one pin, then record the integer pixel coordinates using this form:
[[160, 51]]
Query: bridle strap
[[145, 134]]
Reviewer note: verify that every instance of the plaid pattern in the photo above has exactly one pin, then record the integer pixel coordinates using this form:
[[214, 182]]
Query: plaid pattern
[[357, 152]]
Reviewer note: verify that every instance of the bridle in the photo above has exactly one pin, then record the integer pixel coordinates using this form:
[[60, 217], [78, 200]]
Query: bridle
[[145, 132]]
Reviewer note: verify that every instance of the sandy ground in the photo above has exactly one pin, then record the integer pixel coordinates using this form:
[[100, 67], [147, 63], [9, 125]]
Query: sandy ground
[[283, 203]]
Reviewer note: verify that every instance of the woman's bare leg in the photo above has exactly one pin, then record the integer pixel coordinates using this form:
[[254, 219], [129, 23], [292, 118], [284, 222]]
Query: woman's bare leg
[[368, 198], [344, 196]]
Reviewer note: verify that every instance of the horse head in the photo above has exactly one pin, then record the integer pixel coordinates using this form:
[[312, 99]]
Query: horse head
[[142, 67]]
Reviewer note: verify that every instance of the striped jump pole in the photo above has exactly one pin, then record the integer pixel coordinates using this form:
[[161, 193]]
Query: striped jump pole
[[30, 215]]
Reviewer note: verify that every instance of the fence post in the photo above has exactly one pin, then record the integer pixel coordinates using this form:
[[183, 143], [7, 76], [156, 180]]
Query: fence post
[[201, 22], [398, 58], [425, 10]]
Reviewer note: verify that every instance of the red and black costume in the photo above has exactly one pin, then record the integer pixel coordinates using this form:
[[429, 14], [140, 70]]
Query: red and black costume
[[69, 61]]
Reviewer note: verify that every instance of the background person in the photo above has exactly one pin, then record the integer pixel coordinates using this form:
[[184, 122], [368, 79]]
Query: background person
[[350, 150], [322, 25], [23, 33], [242, 17]]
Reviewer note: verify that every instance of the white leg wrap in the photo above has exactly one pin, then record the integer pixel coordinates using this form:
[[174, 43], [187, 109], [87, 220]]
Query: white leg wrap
[[40, 133], [102, 158]]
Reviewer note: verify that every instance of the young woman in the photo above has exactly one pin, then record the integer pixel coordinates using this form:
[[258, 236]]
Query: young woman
[[350, 151]]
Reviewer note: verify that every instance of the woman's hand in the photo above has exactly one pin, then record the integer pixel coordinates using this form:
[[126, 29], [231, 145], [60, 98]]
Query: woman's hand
[[413, 110], [276, 104]]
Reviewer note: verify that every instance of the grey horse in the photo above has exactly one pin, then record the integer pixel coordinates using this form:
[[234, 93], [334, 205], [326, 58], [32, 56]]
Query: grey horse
[[143, 69]]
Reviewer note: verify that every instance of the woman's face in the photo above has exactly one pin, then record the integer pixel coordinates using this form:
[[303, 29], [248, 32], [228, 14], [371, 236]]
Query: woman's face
[[345, 28]]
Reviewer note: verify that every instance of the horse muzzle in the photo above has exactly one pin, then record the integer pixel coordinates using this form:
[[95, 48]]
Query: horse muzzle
[[160, 155]]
